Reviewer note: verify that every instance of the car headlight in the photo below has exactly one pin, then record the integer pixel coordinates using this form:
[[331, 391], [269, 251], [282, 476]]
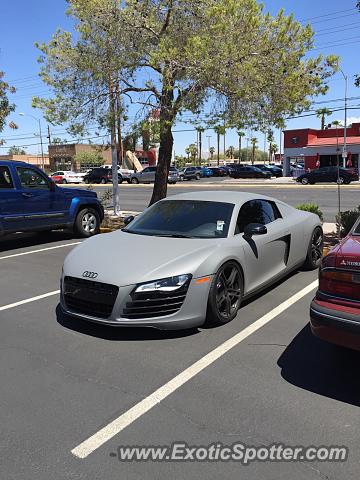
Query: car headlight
[[164, 285]]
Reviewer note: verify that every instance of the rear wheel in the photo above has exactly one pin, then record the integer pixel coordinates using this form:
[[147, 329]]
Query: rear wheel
[[341, 180], [225, 295], [120, 180], [64, 181], [347, 181], [103, 181], [134, 181], [198, 176], [87, 222], [304, 181], [315, 250]]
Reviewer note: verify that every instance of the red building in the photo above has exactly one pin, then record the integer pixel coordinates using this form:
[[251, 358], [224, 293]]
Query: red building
[[321, 148]]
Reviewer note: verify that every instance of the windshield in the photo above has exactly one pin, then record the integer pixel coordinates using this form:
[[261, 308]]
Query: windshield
[[357, 228], [184, 219]]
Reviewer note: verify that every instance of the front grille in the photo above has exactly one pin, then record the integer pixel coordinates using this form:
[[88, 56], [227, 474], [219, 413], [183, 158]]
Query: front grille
[[154, 304], [88, 297]]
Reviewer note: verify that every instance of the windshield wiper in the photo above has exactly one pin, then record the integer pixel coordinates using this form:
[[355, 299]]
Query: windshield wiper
[[174, 235]]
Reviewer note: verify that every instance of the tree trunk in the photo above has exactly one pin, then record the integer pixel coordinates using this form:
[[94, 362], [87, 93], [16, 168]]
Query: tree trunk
[[218, 149], [165, 153], [167, 118]]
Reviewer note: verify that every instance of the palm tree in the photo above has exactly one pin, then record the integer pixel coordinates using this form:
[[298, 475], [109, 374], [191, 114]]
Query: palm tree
[[273, 148], [211, 151], [200, 131], [230, 152], [188, 151], [322, 113], [254, 142], [240, 135], [192, 151], [219, 130]]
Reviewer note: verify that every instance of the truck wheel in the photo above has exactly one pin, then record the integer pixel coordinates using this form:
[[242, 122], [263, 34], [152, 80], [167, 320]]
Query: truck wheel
[[87, 222]]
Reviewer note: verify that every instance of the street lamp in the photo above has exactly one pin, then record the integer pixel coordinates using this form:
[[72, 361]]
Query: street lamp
[[40, 132]]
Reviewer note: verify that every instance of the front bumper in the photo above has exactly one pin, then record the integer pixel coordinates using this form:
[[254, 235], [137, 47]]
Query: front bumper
[[191, 314], [338, 326]]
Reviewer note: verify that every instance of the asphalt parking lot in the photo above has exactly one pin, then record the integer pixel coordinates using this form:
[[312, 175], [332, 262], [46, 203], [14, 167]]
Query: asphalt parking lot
[[64, 381]]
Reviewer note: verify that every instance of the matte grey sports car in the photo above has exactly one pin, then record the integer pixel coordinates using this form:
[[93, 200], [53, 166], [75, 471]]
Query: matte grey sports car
[[189, 259]]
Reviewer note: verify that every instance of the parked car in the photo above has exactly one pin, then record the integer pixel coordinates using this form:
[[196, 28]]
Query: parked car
[[241, 171], [328, 174], [219, 171], [63, 176], [275, 172], [206, 172], [100, 175], [31, 201], [335, 311], [124, 173], [148, 176], [199, 255], [189, 173]]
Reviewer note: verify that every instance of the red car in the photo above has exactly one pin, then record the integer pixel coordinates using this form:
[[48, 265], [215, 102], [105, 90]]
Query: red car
[[335, 311]]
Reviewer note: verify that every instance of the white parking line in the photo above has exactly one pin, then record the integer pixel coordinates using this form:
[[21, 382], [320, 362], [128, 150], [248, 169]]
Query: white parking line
[[40, 250], [29, 300], [116, 426]]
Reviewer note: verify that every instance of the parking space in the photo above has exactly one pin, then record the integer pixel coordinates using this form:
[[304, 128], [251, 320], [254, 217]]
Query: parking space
[[63, 380]]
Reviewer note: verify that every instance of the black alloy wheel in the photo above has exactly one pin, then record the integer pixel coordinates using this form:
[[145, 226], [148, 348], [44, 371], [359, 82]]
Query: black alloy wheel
[[226, 294]]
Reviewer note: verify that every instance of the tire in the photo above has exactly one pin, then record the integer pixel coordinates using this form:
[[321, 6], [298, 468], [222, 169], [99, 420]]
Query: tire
[[315, 250], [87, 222], [86, 181], [64, 181], [347, 181], [128, 181], [103, 181], [120, 180], [198, 176], [181, 178], [134, 181], [304, 181], [341, 180], [223, 307]]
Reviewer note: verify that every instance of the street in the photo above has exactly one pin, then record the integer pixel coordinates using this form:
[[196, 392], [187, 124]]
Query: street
[[137, 197], [65, 380]]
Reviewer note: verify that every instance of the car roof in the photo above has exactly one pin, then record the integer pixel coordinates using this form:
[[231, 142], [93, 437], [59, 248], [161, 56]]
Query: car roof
[[9, 163], [227, 196]]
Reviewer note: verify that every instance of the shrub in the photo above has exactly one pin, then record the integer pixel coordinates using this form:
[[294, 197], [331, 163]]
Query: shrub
[[346, 220], [312, 208]]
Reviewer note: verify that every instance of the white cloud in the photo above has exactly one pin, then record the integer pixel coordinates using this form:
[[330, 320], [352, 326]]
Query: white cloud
[[350, 120]]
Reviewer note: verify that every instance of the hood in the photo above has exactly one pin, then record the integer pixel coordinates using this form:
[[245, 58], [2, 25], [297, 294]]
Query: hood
[[78, 192], [345, 255], [121, 258]]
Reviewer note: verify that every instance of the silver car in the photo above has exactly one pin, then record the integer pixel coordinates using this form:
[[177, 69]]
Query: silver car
[[192, 258], [148, 176]]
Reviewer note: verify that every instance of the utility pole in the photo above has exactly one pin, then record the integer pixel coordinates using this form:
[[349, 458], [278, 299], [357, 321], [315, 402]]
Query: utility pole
[[49, 135], [114, 164], [200, 146], [338, 180]]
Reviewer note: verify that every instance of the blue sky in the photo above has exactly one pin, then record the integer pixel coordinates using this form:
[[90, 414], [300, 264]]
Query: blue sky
[[335, 23]]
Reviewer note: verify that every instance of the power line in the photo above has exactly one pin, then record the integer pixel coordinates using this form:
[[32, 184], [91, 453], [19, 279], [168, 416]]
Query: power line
[[327, 14]]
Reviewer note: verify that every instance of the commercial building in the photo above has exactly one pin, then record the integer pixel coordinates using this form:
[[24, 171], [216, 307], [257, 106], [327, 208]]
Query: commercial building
[[31, 159], [322, 148]]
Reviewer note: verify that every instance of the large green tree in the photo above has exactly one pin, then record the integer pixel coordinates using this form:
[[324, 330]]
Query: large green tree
[[6, 107], [175, 55], [14, 150]]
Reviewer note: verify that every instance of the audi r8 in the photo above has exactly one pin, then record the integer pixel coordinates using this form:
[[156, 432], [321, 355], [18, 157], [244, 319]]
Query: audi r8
[[190, 259]]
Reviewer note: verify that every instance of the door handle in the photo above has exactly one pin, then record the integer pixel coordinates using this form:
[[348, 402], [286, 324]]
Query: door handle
[[27, 195]]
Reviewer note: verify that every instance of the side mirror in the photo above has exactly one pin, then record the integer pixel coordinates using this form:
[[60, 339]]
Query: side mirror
[[255, 229], [52, 186], [128, 220]]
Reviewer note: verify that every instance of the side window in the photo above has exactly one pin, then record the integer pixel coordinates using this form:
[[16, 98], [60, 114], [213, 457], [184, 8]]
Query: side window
[[256, 211], [5, 178], [30, 178], [146, 170], [153, 169]]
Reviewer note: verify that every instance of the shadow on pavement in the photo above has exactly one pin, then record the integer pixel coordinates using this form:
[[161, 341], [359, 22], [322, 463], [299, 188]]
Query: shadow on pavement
[[322, 368], [118, 333], [16, 241]]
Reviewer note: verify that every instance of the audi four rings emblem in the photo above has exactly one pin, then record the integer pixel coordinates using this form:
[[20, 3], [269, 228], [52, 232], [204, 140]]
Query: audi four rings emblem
[[90, 274]]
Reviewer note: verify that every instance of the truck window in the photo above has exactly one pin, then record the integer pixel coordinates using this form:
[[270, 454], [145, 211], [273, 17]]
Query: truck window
[[5, 178]]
